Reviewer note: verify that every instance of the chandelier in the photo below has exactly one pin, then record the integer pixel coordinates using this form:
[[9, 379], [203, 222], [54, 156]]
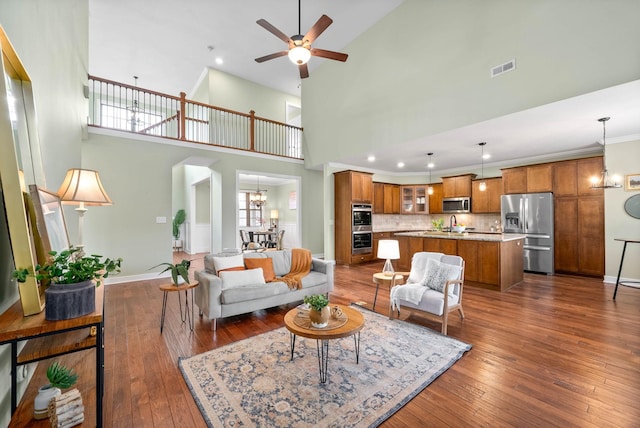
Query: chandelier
[[604, 182], [483, 184], [430, 166], [258, 198]]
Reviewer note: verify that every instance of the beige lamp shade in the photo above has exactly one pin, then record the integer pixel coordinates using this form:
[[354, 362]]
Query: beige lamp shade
[[274, 214], [83, 186]]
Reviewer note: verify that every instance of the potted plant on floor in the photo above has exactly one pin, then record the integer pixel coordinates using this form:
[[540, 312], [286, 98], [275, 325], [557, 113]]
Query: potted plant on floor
[[178, 220], [60, 377], [319, 310], [179, 271], [70, 279]]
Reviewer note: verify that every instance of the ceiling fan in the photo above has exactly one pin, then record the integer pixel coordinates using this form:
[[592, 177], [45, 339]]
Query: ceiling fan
[[300, 50]]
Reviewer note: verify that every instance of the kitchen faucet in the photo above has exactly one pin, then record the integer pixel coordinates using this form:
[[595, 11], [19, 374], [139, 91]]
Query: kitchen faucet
[[452, 222]]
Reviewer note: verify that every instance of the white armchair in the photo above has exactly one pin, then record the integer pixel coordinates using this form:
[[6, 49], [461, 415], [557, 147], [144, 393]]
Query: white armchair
[[433, 287]]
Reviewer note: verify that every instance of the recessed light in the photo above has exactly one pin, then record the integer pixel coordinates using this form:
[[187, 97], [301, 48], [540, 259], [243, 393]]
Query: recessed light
[[400, 164], [371, 158], [219, 61]]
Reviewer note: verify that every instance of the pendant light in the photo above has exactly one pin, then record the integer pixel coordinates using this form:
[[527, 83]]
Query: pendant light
[[430, 165], [603, 182], [483, 185]]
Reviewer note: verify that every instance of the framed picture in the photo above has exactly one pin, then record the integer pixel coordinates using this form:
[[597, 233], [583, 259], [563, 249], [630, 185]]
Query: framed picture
[[292, 200], [51, 227], [632, 182]]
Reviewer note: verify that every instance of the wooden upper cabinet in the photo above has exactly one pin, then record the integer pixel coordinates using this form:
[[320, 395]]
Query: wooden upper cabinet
[[378, 198], [414, 200], [587, 168], [487, 201], [528, 179], [565, 178], [458, 186], [539, 178], [361, 187], [435, 200], [391, 199], [514, 180]]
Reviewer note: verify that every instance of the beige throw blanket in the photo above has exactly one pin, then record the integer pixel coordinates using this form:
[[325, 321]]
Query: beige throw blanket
[[300, 266]]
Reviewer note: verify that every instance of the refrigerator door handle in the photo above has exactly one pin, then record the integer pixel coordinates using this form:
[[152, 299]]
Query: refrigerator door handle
[[533, 235], [536, 247], [522, 225], [526, 215]]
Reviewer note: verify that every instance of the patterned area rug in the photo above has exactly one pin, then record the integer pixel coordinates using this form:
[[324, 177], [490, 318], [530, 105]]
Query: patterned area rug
[[254, 383]]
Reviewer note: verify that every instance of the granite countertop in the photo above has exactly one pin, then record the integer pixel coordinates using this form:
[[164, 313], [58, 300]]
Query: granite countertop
[[475, 236]]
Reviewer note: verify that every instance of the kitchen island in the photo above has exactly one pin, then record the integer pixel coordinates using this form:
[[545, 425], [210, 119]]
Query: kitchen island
[[492, 260]]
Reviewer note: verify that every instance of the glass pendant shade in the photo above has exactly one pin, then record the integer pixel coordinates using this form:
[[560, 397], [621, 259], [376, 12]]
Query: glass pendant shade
[[299, 55], [483, 184]]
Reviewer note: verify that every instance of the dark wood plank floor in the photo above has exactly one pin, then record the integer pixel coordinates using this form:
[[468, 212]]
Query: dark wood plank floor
[[554, 351]]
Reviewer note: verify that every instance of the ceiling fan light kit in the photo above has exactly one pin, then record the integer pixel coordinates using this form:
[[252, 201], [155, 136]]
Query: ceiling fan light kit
[[300, 50]]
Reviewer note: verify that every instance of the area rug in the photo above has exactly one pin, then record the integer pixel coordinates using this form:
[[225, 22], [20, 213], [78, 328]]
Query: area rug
[[254, 382]]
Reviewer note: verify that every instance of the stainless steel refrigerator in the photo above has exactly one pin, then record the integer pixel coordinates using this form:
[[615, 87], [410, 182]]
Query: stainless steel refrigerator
[[531, 214]]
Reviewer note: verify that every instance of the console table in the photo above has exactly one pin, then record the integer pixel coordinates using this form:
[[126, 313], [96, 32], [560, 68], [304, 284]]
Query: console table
[[48, 339], [634, 284]]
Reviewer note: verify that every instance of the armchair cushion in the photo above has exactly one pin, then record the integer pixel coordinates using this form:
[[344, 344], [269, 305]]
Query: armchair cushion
[[419, 266], [265, 263], [437, 274]]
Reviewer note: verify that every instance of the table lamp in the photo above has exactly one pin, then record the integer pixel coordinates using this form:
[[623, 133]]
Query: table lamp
[[274, 219], [390, 250], [82, 187]]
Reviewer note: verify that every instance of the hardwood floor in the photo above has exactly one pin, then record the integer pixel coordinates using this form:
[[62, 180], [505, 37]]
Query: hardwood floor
[[553, 351]]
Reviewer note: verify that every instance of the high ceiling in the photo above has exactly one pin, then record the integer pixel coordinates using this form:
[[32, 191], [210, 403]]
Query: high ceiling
[[169, 44]]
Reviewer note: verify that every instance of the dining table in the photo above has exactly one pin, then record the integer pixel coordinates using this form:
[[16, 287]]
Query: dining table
[[262, 236]]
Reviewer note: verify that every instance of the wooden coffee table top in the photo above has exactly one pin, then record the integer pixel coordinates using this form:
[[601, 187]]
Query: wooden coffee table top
[[353, 325]]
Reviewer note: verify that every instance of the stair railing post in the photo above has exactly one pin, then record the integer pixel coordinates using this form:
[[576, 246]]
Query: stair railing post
[[182, 115], [252, 131]]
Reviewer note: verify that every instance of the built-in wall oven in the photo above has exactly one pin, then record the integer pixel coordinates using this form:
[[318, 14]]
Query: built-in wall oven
[[361, 229]]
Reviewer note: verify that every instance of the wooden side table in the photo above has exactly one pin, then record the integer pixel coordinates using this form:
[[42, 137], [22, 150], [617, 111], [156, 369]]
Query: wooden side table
[[382, 278], [167, 288]]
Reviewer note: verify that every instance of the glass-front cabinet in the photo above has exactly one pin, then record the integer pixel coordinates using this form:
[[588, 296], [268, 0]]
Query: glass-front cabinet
[[414, 200]]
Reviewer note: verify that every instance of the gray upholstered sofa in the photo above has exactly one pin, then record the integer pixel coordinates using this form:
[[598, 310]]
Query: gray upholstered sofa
[[225, 294]]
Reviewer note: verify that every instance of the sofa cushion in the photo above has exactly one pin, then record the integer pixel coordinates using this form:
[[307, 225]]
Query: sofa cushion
[[313, 278], [232, 279], [209, 260], [253, 292], [281, 260], [437, 274], [266, 264]]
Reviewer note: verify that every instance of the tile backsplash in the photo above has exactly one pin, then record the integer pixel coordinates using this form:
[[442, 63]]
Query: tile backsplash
[[399, 222]]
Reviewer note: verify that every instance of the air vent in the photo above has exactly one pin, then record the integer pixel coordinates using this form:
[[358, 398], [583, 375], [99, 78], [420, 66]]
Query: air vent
[[503, 68]]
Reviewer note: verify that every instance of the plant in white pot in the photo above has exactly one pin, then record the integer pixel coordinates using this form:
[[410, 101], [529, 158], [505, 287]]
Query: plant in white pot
[[60, 377], [319, 311], [71, 281], [178, 220]]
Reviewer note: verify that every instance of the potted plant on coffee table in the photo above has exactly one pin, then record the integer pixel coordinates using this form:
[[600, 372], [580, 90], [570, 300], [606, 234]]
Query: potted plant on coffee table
[[179, 271], [71, 281], [319, 310]]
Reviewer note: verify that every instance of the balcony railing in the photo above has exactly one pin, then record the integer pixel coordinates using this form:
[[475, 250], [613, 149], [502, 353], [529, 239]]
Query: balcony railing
[[129, 108]]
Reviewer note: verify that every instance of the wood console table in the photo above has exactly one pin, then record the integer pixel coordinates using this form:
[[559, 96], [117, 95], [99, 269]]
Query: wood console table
[[48, 339]]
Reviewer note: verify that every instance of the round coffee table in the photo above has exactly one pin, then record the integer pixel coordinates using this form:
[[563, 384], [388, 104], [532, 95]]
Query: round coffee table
[[352, 327]]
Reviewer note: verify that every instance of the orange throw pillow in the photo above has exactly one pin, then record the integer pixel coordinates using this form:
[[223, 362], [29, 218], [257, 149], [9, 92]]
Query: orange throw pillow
[[266, 264], [235, 268]]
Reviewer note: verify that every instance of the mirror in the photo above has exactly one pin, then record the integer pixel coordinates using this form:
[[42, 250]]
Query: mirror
[[632, 206]]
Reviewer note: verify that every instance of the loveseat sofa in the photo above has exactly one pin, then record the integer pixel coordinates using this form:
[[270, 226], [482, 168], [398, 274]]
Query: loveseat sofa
[[226, 287]]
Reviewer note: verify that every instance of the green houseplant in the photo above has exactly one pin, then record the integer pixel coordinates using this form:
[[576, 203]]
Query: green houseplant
[[178, 271], [319, 310], [178, 220], [60, 377], [70, 278]]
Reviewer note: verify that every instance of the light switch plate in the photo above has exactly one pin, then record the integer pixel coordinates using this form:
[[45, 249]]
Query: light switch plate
[[161, 219]]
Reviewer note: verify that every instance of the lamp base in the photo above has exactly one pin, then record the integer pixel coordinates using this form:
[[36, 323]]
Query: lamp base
[[388, 268]]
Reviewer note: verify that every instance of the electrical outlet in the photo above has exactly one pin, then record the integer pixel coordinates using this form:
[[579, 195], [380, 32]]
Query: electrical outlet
[[161, 219]]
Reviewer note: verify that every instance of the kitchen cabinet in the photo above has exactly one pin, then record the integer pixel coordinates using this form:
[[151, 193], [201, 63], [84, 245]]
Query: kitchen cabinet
[[489, 200], [579, 235], [414, 200], [377, 236], [587, 168], [349, 187], [435, 200], [573, 177], [527, 179], [386, 198], [404, 263], [458, 186], [482, 261], [440, 245]]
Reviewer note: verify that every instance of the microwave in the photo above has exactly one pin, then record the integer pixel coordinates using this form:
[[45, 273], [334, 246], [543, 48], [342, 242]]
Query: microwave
[[456, 205]]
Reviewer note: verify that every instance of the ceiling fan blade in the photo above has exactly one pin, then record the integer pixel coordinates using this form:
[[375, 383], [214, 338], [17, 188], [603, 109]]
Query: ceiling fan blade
[[318, 28], [273, 30], [271, 56], [304, 71], [338, 56]]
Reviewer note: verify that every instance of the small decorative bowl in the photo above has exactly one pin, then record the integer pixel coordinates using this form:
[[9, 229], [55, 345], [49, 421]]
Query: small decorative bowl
[[458, 229]]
